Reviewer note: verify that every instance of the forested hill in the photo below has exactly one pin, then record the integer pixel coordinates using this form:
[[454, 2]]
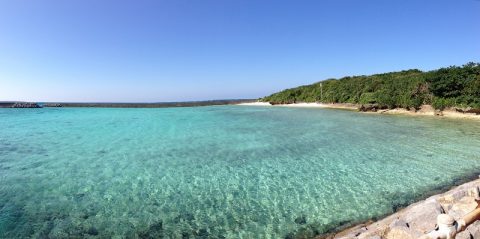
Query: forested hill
[[446, 87]]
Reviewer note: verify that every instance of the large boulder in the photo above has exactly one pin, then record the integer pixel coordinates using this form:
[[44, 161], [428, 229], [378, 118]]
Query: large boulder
[[423, 216], [369, 108]]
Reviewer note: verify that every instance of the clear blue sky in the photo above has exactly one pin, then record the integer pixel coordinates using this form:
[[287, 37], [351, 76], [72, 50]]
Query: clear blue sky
[[150, 51]]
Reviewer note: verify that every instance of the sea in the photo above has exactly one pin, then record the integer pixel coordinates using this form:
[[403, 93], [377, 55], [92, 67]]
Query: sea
[[220, 171]]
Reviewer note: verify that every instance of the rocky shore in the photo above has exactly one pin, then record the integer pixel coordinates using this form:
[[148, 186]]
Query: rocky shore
[[420, 218]]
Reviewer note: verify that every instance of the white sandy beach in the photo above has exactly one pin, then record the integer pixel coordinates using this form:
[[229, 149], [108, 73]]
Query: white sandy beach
[[305, 105], [425, 110]]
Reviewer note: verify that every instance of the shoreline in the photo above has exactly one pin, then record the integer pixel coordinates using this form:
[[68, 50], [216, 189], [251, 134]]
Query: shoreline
[[425, 110]]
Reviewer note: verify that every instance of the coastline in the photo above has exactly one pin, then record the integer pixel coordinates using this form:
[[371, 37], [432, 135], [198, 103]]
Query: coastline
[[425, 110]]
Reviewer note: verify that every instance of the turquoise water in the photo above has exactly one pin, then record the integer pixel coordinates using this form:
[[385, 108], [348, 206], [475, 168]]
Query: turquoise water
[[219, 171]]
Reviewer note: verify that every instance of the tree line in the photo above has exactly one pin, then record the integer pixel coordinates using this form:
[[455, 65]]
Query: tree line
[[455, 86]]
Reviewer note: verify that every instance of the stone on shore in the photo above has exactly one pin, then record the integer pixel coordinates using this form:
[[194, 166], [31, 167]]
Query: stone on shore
[[423, 216]]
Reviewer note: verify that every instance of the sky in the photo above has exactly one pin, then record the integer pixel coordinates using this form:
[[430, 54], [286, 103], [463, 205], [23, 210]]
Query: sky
[[179, 50]]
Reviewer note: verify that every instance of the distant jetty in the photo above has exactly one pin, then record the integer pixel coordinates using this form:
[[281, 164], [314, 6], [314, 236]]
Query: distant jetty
[[52, 105], [152, 105], [11, 104], [19, 105]]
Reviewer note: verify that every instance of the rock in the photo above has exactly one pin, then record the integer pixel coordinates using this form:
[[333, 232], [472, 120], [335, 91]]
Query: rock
[[447, 199], [458, 195], [474, 229], [369, 235], [462, 207], [463, 235], [474, 111], [402, 233], [398, 223], [368, 107], [474, 192], [423, 216], [352, 232]]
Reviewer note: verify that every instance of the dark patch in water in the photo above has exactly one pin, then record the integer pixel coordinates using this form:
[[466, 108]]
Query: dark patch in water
[[11, 213], [301, 220], [202, 233], [46, 229], [90, 211], [32, 166], [290, 235], [186, 217], [102, 152], [397, 206], [79, 196], [92, 231], [9, 148], [154, 231], [309, 231]]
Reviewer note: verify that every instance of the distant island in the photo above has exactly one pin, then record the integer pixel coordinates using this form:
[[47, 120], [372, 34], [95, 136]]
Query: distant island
[[17, 104], [454, 86]]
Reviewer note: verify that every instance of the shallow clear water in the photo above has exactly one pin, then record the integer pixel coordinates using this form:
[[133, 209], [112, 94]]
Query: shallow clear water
[[220, 171]]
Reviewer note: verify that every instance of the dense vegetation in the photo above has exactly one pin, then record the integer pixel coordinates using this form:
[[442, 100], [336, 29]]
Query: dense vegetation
[[446, 87]]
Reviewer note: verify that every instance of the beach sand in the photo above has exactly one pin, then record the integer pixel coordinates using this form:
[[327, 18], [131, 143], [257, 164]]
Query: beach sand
[[425, 110]]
